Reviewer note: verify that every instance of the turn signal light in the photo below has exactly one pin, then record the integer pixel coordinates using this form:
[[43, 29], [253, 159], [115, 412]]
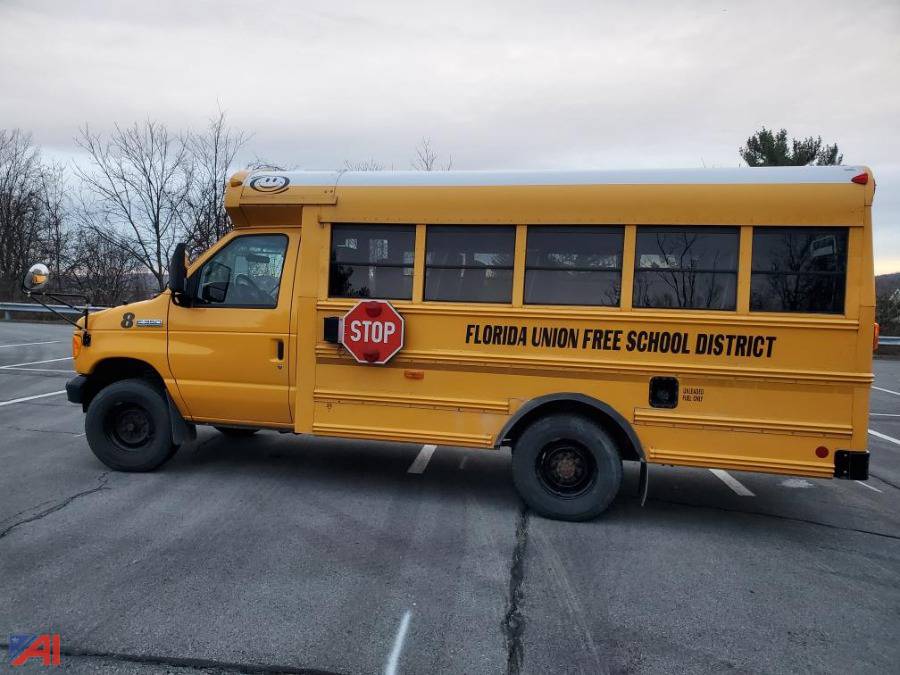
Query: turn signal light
[[76, 345], [875, 335]]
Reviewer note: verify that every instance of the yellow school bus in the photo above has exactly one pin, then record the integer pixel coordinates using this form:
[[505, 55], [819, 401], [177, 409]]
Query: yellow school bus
[[701, 318]]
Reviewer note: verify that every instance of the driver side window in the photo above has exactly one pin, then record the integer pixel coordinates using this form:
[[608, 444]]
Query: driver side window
[[245, 273]]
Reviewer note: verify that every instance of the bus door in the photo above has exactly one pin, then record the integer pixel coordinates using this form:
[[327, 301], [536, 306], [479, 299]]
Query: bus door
[[229, 350]]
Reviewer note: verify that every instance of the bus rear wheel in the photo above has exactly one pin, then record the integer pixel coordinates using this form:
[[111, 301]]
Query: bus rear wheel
[[566, 467], [128, 427]]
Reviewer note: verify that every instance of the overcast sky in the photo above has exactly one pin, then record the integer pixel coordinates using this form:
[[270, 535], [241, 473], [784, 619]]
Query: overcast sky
[[499, 85]]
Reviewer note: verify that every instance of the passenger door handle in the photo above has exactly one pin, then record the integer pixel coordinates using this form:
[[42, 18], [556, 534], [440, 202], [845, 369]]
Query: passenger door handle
[[279, 349]]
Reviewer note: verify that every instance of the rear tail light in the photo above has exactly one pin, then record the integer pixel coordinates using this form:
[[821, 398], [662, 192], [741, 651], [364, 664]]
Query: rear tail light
[[860, 178]]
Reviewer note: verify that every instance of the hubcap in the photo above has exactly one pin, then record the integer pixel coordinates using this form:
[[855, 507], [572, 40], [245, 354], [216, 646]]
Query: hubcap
[[130, 427], [566, 468]]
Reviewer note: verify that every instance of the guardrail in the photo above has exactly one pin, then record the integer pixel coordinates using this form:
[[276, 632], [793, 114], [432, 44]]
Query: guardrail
[[8, 308]]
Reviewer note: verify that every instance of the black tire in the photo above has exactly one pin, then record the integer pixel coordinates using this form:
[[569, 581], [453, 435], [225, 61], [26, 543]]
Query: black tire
[[566, 467], [128, 426], [236, 432]]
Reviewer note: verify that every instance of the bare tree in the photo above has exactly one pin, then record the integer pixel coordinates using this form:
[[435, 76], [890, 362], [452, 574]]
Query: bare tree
[[138, 187], [427, 157], [56, 236], [106, 273], [365, 165], [21, 207], [212, 155]]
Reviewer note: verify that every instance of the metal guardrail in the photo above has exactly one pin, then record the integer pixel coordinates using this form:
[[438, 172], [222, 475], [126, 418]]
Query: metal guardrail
[[8, 308]]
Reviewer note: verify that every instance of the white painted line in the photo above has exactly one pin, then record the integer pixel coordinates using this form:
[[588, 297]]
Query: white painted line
[[732, 482], [39, 370], [31, 398], [886, 391], [421, 461], [871, 487], [30, 344], [884, 437], [884, 414], [462, 463], [34, 363], [394, 659]]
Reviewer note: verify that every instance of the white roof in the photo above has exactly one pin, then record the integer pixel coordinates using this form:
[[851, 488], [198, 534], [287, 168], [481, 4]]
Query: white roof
[[740, 176]]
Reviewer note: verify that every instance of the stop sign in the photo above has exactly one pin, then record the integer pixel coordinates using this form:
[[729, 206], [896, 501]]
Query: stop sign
[[372, 331]]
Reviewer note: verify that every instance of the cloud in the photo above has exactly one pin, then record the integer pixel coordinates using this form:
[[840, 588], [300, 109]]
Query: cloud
[[501, 84]]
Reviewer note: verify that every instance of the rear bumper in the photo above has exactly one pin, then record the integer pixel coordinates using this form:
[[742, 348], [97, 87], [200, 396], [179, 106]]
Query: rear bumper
[[75, 389], [851, 465]]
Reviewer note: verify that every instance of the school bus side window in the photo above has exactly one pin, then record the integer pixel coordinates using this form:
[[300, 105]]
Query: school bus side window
[[686, 267], [573, 265], [799, 269], [246, 272], [372, 261], [469, 263]]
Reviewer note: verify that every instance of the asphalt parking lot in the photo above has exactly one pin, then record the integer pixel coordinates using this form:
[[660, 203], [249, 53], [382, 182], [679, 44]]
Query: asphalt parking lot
[[281, 553]]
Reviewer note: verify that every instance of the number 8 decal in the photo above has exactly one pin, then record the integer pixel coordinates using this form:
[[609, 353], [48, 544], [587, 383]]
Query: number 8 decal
[[127, 320]]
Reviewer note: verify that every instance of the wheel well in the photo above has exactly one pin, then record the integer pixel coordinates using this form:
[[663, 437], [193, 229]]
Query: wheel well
[[616, 425], [112, 370]]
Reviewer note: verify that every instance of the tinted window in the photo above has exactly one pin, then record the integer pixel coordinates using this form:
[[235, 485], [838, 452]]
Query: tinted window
[[573, 265], [686, 267], [372, 261], [246, 272], [470, 263], [798, 269]]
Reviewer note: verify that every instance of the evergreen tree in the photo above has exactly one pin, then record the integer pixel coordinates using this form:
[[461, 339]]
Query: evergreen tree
[[766, 148]]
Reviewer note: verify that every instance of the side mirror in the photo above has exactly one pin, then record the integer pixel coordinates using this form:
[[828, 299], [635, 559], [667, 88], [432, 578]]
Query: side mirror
[[178, 269], [36, 278], [178, 274], [215, 291]]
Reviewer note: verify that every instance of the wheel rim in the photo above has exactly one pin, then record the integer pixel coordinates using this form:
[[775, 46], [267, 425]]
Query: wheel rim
[[130, 427], [566, 469]]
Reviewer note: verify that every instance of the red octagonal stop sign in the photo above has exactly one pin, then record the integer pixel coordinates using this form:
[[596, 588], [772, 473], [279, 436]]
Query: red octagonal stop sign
[[372, 331]]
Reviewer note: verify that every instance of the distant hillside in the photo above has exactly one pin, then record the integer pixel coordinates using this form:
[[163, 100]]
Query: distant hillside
[[887, 283]]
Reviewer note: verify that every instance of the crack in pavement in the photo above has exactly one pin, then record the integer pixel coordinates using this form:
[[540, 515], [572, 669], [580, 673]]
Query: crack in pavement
[[102, 478], [514, 619], [886, 482], [44, 431], [777, 517], [208, 665]]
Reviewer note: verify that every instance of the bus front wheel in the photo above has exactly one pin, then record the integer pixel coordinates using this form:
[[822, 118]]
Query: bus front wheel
[[128, 428], [566, 467]]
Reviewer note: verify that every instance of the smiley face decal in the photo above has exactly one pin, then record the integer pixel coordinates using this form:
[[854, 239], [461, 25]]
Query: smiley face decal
[[270, 184]]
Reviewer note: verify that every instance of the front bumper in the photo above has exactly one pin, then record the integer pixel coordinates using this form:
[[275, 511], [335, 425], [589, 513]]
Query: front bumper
[[75, 389], [851, 465]]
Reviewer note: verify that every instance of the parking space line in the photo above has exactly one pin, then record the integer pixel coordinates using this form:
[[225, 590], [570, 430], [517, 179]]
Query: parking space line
[[34, 363], [38, 370], [884, 437], [884, 414], [394, 659], [31, 344], [462, 463], [421, 461], [886, 391], [871, 487], [31, 398], [732, 482]]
